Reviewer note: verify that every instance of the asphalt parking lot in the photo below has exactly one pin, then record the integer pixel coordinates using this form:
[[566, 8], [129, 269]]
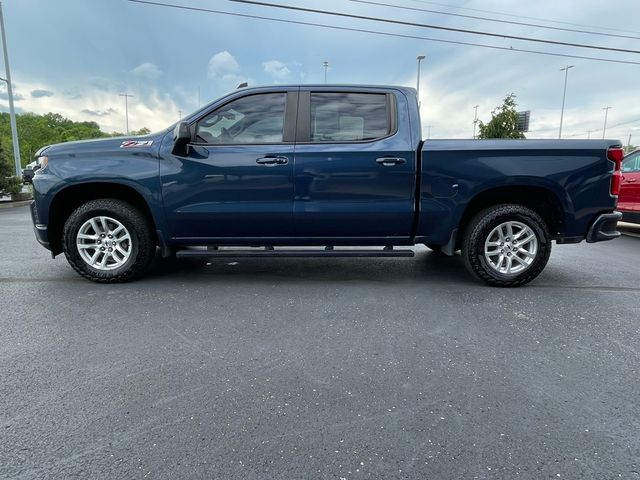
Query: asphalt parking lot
[[319, 368]]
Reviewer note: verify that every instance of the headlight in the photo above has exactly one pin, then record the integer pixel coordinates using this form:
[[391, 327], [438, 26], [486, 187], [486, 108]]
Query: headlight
[[43, 161]]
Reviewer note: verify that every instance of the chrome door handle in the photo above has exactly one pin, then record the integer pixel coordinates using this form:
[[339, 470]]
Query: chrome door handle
[[272, 161], [390, 161]]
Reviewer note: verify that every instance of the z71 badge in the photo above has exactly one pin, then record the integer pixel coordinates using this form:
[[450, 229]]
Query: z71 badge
[[136, 143]]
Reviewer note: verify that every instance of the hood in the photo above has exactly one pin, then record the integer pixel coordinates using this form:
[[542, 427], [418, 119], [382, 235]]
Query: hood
[[99, 145]]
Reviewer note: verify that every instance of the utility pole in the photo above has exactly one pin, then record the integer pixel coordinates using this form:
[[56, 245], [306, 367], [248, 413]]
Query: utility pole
[[564, 95], [419, 58], [589, 133], [179, 114], [126, 109], [12, 111], [606, 114], [429, 131], [325, 64], [629, 144], [475, 120]]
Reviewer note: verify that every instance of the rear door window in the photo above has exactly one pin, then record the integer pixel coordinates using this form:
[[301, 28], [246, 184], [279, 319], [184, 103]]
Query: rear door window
[[349, 117]]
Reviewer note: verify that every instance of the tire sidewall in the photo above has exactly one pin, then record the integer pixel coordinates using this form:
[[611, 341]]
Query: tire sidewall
[[485, 225], [90, 210]]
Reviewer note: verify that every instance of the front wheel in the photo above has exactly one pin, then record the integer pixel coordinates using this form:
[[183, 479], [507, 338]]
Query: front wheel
[[506, 245], [108, 241]]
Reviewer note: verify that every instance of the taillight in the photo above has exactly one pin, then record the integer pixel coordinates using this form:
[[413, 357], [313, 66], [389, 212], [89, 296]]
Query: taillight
[[616, 154]]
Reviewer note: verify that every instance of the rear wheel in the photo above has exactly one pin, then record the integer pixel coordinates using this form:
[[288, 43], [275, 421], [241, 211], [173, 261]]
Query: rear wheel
[[108, 241], [506, 245]]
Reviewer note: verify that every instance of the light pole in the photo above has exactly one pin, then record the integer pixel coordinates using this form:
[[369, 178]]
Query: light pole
[[126, 109], [606, 114], [429, 131], [475, 120], [564, 95], [419, 58], [12, 111], [325, 64]]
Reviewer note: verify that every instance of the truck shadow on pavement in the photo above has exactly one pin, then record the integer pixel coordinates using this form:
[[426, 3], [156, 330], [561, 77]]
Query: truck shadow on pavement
[[425, 266]]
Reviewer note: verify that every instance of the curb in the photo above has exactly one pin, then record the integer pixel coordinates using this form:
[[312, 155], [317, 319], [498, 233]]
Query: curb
[[22, 203]]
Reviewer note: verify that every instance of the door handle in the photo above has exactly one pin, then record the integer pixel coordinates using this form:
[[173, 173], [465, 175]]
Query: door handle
[[390, 161], [272, 160], [630, 180]]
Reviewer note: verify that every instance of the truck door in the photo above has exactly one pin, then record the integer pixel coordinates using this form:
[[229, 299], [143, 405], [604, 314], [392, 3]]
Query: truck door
[[355, 171], [236, 178]]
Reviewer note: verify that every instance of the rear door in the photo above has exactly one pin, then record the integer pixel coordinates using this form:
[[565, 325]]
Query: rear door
[[236, 178], [355, 171], [629, 198]]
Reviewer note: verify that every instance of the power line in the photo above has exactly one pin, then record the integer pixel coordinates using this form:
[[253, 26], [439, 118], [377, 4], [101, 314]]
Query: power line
[[598, 27], [489, 19], [426, 25], [387, 34], [585, 132]]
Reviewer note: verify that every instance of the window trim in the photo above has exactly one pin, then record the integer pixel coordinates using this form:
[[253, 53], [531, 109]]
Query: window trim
[[288, 120], [303, 130]]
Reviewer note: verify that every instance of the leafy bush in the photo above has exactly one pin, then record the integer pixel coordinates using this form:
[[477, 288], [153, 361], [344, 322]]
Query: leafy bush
[[11, 185]]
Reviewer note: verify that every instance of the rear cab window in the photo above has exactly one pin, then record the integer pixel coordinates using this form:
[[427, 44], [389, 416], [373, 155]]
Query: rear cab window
[[350, 117]]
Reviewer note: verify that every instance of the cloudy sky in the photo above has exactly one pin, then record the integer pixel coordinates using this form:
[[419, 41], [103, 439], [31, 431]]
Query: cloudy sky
[[75, 57]]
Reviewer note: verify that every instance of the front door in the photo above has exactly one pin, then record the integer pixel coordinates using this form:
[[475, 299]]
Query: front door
[[236, 178], [355, 171]]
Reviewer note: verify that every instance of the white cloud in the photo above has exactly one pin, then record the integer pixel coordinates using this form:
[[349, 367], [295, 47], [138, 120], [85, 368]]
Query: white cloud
[[147, 70], [148, 108], [225, 70], [222, 65], [277, 69]]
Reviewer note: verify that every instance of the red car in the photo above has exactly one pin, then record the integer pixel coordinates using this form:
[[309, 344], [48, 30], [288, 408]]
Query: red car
[[629, 198]]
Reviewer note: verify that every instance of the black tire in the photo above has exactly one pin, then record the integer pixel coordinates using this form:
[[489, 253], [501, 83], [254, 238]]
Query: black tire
[[481, 227], [142, 243]]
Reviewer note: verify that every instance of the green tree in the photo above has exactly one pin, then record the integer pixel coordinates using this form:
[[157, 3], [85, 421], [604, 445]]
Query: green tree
[[504, 121], [36, 131], [9, 184]]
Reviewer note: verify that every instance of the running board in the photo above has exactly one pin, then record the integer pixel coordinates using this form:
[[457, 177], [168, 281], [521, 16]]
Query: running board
[[291, 253]]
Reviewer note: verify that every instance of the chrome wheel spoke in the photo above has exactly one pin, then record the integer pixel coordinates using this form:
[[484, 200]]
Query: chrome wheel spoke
[[526, 253], [100, 247], [510, 248], [527, 240], [84, 236]]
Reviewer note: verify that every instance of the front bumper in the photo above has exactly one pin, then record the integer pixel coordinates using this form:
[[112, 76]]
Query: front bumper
[[39, 229], [604, 227]]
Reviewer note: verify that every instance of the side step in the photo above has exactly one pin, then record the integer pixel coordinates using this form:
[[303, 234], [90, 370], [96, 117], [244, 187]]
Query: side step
[[201, 252]]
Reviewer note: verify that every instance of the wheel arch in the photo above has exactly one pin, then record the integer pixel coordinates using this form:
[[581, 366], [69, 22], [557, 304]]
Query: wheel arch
[[72, 196], [542, 200]]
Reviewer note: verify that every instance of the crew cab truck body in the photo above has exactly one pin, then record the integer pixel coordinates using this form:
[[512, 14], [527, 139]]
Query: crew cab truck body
[[321, 166]]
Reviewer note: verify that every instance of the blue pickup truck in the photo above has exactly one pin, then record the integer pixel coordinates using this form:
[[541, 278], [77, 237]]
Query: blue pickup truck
[[321, 170]]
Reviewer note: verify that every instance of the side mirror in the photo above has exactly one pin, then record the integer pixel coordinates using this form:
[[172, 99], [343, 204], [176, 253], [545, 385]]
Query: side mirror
[[181, 138]]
